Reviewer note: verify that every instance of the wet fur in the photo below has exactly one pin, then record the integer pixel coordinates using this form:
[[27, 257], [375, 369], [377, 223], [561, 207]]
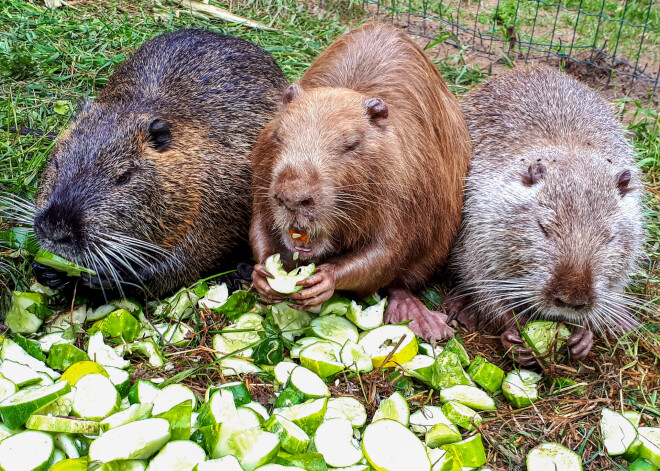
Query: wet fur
[[572, 232], [391, 208], [191, 199]]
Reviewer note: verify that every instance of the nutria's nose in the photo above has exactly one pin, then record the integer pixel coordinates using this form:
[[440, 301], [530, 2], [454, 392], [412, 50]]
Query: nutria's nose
[[571, 287], [56, 226], [294, 202]]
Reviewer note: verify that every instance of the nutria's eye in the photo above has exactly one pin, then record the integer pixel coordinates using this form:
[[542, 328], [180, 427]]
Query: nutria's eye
[[543, 229], [352, 146], [124, 178]]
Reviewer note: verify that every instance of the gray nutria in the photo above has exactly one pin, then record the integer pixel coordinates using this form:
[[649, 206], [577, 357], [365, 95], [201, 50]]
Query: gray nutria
[[150, 186], [367, 160], [552, 217]]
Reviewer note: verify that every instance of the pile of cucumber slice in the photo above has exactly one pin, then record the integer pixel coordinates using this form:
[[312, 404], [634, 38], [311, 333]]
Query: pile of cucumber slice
[[68, 402]]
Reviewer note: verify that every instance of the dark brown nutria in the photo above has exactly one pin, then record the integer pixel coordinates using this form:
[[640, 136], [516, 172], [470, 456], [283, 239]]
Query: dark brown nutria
[[150, 186], [368, 159], [552, 217]]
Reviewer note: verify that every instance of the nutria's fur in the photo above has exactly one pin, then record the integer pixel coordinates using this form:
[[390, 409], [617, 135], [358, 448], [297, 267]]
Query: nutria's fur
[[368, 157], [552, 217], [151, 182]]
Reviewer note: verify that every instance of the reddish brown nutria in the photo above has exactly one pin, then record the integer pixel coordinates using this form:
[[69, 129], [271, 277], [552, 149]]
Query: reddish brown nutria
[[552, 218], [367, 160], [151, 184]]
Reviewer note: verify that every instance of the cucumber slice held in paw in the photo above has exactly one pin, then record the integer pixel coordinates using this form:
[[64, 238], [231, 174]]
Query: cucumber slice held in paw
[[133, 441], [617, 431], [96, 398], [26, 451], [180, 455], [395, 407], [16, 408], [334, 440], [347, 407], [390, 446], [382, 341], [286, 283], [335, 328], [553, 456]]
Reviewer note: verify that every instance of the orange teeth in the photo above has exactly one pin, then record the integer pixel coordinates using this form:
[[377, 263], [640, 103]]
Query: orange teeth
[[299, 236]]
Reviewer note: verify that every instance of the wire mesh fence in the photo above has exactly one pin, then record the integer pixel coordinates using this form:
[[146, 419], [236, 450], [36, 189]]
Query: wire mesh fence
[[607, 43]]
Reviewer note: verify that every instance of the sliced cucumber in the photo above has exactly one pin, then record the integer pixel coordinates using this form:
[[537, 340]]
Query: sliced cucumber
[[449, 370], [80, 369], [253, 447], [224, 346], [133, 441], [367, 318], [121, 379], [47, 341], [308, 416], [322, 358], [46, 423], [133, 413], [308, 383], [355, 358], [26, 451], [249, 325], [16, 408], [18, 374], [104, 355], [454, 346], [283, 370], [7, 388], [425, 418], [63, 355], [6, 432], [215, 297], [520, 389], [13, 352], [259, 409], [337, 304], [334, 440], [486, 375], [72, 446], [238, 389], [395, 408], [442, 434], [650, 447], [380, 342], [302, 343], [149, 349], [172, 395], [553, 456], [617, 431], [347, 408], [390, 446], [26, 313], [335, 328], [101, 312], [468, 396], [96, 398], [469, 452], [143, 392], [76, 464], [461, 415], [633, 416], [422, 367], [292, 438], [291, 321], [441, 460], [227, 463], [286, 283], [238, 366], [180, 455], [219, 409]]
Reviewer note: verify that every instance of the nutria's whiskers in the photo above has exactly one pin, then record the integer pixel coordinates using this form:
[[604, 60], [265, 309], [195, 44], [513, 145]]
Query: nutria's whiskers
[[16, 209]]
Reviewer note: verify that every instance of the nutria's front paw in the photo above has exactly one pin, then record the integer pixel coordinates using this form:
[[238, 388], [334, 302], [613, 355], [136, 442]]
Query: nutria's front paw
[[580, 343], [50, 277], [512, 342], [430, 325], [457, 308], [260, 283], [317, 288]]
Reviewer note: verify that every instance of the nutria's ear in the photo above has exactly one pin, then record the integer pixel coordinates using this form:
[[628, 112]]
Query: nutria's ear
[[291, 93], [623, 182], [160, 135], [534, 173], [376, 109]]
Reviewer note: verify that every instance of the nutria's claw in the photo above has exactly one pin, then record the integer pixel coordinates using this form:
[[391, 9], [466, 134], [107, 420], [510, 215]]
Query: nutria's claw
[[50, 277], [318, 288], [260, 283], [580, 343], [430, 325], [512, 341]]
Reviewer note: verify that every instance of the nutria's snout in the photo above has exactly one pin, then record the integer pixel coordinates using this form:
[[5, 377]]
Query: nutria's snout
[[571, 288], [59, 229]]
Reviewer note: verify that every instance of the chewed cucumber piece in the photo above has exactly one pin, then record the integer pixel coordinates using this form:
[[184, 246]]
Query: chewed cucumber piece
[[553, 456], [293, 439], [322, 357], [335, 328], [46, 423], [16, 408], [103, 354], [457, 348], [180, 455], [545, 337], [469, 452], [390, 446], [422, 367], [133, 441], [334, 440], [382, 341], [367, 318], [650, 447], [355, 358], [284, 282], [60, 264], [617, 431], [346, 408], [308, 383], [395, 407], [519, 387], [468, 396], [26, 451], [96, 398]]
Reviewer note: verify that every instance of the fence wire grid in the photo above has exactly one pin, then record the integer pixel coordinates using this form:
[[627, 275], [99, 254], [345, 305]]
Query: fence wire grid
[[604, 42]]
